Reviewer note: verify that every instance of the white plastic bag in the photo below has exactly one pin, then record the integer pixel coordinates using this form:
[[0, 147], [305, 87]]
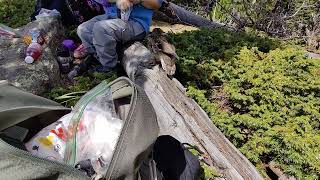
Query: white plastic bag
[[97, 137]]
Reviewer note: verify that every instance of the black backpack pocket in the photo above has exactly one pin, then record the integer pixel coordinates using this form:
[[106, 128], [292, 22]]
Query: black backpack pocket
[[174, 161]]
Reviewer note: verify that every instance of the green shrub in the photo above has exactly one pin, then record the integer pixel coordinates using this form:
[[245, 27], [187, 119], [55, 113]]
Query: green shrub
[[197, 49], [16, 13], [71, 94], [265, 100]]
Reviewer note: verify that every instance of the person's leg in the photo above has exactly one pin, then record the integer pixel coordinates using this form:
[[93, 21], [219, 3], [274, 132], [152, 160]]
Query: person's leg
[[85, 32], [106, 35]]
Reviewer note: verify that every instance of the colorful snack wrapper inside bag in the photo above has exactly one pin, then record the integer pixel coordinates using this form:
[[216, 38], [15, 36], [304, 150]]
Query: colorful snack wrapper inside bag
[[50, 142]]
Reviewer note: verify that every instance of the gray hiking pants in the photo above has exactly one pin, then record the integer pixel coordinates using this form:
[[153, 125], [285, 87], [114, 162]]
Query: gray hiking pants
[[102, 33]]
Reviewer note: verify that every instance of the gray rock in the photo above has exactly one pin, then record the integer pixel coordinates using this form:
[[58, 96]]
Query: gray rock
[[43, 74], [313, 55]]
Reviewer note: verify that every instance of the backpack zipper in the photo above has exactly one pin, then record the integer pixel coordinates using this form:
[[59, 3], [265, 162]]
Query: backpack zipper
[[116, 151]]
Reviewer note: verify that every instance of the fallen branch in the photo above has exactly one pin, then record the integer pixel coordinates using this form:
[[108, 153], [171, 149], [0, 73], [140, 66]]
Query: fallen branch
[[181, 117], [173, 13]]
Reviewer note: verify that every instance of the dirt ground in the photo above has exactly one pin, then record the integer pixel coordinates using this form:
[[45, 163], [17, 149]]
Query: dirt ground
[[175, 28]]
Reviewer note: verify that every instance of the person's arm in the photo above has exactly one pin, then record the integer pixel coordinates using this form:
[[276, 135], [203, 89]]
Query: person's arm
[[151, 4]]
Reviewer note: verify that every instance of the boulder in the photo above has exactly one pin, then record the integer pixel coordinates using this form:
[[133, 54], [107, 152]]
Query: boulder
[[43, 74]]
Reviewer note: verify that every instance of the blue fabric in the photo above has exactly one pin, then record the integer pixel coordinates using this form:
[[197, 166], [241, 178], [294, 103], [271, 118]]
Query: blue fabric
[[139, 14], [111, 10], [142, 15]]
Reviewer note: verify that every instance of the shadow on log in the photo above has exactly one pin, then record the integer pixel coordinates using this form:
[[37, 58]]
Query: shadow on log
[[181, 117]]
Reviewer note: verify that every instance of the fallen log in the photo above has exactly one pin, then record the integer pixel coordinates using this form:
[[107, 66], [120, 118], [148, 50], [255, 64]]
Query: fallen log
[[182, 118], [173, 13]]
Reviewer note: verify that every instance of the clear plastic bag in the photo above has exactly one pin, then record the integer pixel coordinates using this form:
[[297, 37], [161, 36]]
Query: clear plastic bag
[[6, 31], [90, 132], [44, 14], [93, 130], [125, 14]]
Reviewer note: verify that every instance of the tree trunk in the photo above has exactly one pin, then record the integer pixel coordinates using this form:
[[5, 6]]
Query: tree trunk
[[182, 118], [173, 13]]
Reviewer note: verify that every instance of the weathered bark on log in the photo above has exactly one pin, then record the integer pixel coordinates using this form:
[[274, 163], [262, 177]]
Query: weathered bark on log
[[173, 13], [182, 118]]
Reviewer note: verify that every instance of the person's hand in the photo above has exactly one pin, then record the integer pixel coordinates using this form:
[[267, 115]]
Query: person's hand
[[124, 4], [135, 1]]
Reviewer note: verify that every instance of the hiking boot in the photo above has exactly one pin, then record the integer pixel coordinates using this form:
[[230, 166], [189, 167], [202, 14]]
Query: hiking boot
[[80, 52], [99, 69], [85, 66], [74, 72], [78, 70]]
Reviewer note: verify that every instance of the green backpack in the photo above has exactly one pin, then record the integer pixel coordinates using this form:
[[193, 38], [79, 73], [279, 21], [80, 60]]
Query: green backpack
[[23, 114]]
